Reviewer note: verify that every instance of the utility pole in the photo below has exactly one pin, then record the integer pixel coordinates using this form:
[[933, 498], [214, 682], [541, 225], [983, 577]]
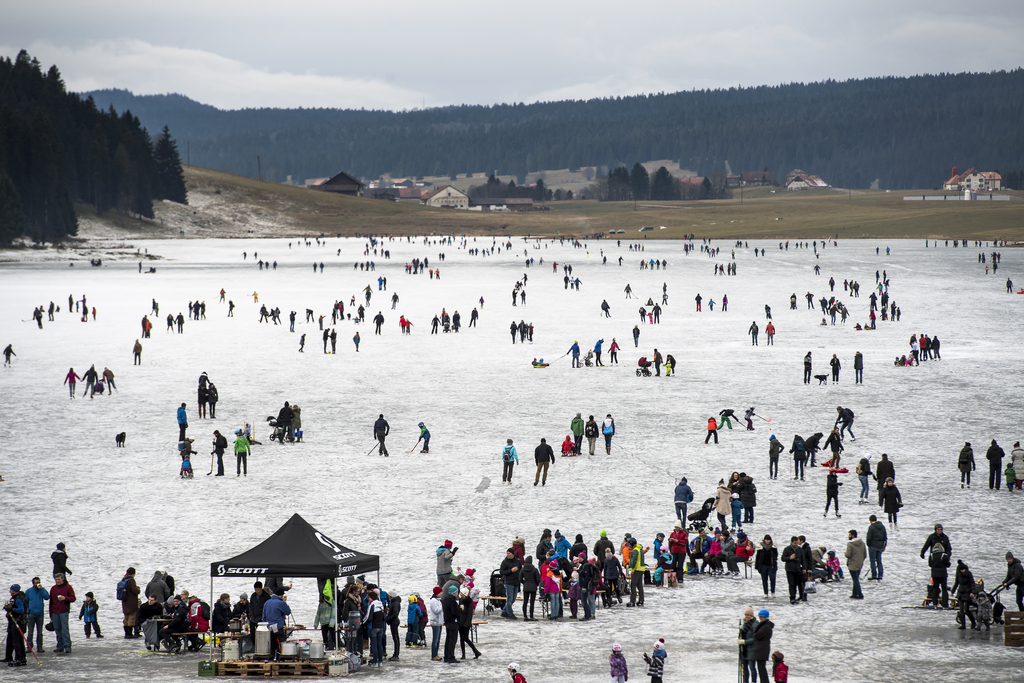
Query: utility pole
[[259, 168], [188, 153]]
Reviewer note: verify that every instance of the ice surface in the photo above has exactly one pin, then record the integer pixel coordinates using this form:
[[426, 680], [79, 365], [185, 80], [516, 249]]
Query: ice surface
[[65, 480]]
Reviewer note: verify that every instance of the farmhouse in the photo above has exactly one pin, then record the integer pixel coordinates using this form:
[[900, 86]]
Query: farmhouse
[[750, 179], [445, 196], [343, 183], [973, 179], [803, 182]]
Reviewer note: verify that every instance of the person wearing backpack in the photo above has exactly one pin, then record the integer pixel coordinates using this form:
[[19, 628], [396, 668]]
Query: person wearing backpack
[[509, 459], [16, 612], [591, 430], [608, 429], [199, 620], [965, 463], [799, 452], [128, 593]]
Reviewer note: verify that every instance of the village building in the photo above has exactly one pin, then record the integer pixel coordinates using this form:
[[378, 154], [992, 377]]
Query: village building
[[973, 179], [445, 196], [805, 182]]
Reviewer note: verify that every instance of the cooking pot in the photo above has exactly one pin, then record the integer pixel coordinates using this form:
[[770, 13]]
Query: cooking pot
[[289, 649]]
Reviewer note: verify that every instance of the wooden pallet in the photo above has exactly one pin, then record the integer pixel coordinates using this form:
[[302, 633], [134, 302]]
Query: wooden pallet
[[1013, 629], [273, 669]]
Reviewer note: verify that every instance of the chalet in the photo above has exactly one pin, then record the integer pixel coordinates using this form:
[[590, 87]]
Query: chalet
[[519, 204], [973, 179], [805, 182], [343, 183], [445, 196], [749, 179]]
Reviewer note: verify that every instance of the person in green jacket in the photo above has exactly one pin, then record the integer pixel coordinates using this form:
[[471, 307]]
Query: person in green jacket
[[241, 453], [577, 426]]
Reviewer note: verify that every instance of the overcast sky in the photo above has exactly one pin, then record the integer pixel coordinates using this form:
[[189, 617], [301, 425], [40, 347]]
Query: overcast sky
[[398, 55]]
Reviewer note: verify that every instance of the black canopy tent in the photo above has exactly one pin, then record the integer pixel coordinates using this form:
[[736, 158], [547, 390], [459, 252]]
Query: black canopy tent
[[297, 550]]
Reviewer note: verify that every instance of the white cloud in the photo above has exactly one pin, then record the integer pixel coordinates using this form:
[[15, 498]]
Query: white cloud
[[209, 78]]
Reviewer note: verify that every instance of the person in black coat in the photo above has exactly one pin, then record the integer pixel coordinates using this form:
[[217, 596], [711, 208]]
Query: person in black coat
[[219, 444], [179, 622], [937, 537], [577, 548], [938, 561], [792, 560], [807, 559], [531, 581], [962, 589], [509, 570], [544, 457], [257, 600], [748, 496], [381, 429], [60, 561], [832, 485], [284, 420], [221, 614], [995, 456], [466, 623], [759, 643], [450, 614]]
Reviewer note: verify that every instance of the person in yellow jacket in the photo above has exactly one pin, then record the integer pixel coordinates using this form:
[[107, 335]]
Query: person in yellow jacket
[[638, 569]]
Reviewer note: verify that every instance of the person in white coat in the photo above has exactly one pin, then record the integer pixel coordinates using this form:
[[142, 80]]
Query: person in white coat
[[1017, 459], [435, 619]]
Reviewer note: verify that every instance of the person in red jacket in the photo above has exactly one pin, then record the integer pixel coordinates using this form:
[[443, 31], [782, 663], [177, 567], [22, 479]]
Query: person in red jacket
[[196, 622], [513, 671], [61, 597], [568, 446], [712, 430], [678, 545]]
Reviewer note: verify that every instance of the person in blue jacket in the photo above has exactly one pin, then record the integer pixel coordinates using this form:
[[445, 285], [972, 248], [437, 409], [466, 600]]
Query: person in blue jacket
[[684, 495], [597, 351], [274, 612], [737, 511], [509, 459], [425, 436], [575, 350], [699, 549], [182, 422], [562, 545], [38, 599]]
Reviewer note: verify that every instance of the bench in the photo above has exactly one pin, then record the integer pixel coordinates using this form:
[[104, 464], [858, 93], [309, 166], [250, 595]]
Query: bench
[[748, 566]]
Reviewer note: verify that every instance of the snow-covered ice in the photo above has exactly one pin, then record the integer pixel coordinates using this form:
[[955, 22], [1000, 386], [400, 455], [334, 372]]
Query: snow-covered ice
[[66, 481]]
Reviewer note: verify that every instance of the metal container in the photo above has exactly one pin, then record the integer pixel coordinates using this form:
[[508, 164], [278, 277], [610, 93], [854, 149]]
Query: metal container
[[235, 626], [343, 665], [231, 651], [316, 650], [289, 649], [262, 640]]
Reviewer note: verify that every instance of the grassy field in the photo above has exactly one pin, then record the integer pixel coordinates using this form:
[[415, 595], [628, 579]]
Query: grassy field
[[224, 205]]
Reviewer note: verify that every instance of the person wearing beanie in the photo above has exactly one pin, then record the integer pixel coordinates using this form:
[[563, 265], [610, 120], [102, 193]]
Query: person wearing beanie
[[509, 459], [16, 618], [510, 572], [88, 613], [780, 670], [656, 662], [128, 592], [450, 615], [747, 626], [876, 540], [531, 581], [962, 587], [683, 495], [241, 608], [60, 561], [444, 554], [553, 589], [1015, 577], [591, 430], [775, 447], [562, 545], [435, 619], [759, 643], [603, 544], [995, 456], [965, 463]]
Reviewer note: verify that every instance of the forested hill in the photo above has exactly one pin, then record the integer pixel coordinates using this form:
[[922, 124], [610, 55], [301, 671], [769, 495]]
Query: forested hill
[[904, 132], [57, 148]]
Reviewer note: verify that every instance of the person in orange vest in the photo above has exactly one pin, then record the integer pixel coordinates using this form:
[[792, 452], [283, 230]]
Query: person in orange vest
[[712, 430]]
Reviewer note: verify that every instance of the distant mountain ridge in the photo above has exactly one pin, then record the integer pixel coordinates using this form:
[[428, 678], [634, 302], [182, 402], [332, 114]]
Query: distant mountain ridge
[[902, 132]]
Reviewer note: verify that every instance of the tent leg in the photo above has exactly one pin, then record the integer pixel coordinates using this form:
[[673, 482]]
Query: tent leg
[[213, 653], [335, 627]]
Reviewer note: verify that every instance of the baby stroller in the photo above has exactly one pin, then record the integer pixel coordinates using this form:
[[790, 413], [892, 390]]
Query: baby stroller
[[588, 359], [279, 432], [644, 367], [497, 589], [698, 519]]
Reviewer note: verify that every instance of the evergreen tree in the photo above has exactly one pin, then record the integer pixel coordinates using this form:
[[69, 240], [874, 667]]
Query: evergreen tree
[[664, 186], [170, 180], [640, 182], [12, 218]]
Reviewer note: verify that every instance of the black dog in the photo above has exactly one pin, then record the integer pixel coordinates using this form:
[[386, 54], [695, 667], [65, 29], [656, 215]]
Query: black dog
[[119, 440], [821, 379]]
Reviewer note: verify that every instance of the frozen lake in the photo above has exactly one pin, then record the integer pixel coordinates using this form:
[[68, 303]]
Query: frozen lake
[[66, 481]]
